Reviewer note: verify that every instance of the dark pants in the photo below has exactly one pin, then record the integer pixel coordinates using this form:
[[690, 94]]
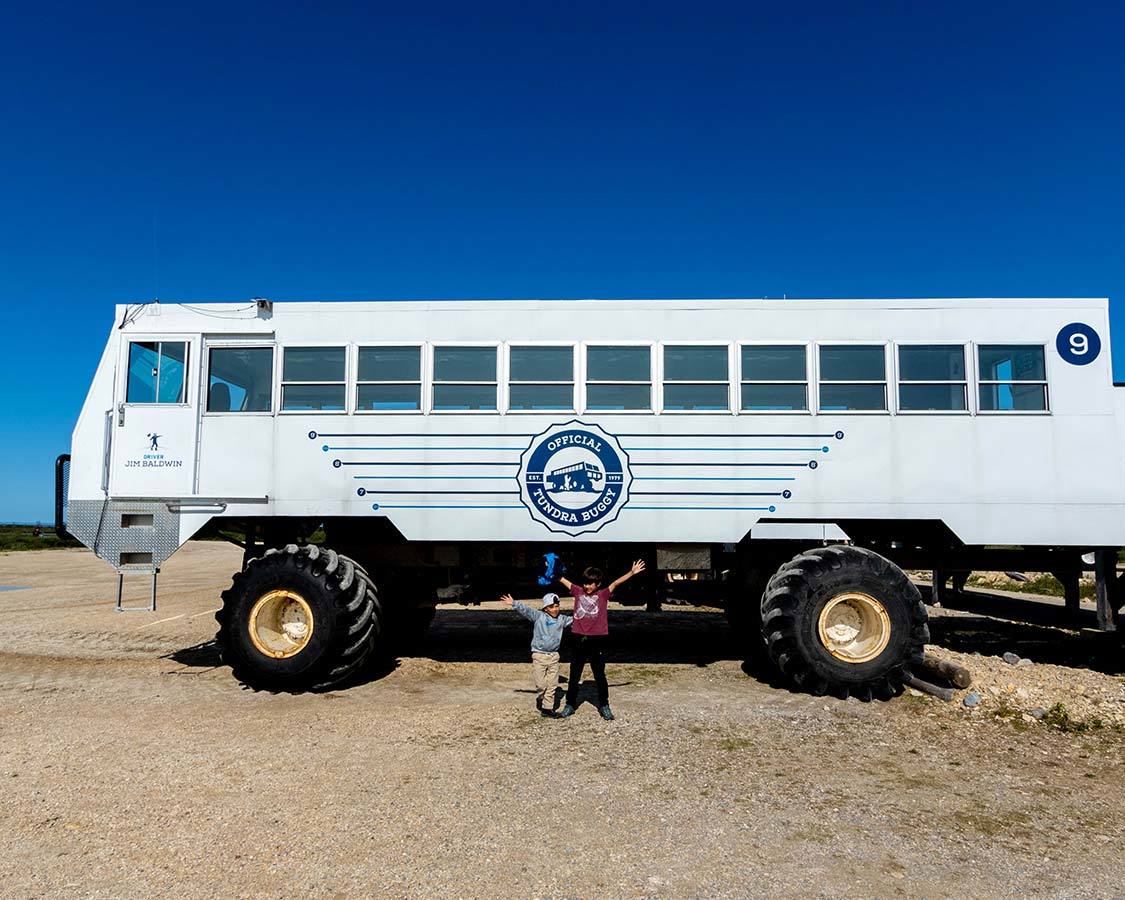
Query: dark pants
[[588, 648]]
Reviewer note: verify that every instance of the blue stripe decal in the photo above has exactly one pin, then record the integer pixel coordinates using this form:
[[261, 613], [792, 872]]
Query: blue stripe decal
[[509, 477], [379, 506], [691, 465], [428, 492], [705, 494], [415, 462], [313, 435], [439, 478], [734, 449], [724, 434], [326, 448], [445, 506], [475, 462], [681, 495], [705, 477], [704, 508]]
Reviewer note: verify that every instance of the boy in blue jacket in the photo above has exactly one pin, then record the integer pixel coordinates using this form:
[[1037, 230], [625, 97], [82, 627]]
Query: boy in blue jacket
[[545, 639]]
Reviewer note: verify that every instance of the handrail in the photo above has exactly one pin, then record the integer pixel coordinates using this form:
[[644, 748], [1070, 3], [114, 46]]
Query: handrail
[[62, 478]]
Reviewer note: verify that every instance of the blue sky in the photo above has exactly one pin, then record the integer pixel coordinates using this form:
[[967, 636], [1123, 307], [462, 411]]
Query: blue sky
[[490, 150]]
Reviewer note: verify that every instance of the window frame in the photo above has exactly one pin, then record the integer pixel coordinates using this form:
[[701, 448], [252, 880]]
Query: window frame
[[970, 371], [809, 381], [189, 341], [653, 375], [275, 374], [889, 373], [726, 411], [499, 409], [281, 383], [1045, 381], [423, 368], [508, 381]]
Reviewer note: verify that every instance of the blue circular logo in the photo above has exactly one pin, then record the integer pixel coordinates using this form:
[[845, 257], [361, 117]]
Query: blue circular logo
[[574, 478], [1078, 344]]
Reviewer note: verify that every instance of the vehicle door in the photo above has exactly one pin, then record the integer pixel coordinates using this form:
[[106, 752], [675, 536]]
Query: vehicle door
[[236, 443], [156, 417]]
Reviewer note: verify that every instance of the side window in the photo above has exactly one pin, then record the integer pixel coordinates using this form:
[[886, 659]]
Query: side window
[[464, 379], [240, 379], [853, 377], [540, 378], [312, 379], [157, 372], [696, 378], [618, 378], [931, 378], [389, 379], [1013, 378], [775, 378]]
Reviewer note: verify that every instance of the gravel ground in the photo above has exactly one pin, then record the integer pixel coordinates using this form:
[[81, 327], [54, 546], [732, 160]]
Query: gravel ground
[[131, 762]]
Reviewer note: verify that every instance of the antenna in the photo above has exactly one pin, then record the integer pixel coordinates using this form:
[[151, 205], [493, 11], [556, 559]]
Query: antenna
[[155, 263]]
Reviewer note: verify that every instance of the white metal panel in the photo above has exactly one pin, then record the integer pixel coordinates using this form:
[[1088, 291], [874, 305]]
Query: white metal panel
[[1047, 478]]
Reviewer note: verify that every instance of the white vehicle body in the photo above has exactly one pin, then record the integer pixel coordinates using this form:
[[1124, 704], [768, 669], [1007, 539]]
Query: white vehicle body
[[1049, 477]]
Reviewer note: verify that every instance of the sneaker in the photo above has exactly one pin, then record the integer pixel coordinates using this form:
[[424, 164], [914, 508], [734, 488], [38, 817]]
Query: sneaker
[[566, 712], [607, 713], [547, 713]]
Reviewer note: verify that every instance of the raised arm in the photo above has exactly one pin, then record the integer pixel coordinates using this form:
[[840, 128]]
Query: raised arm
[[526, 611], [565, 583], [638, 567]]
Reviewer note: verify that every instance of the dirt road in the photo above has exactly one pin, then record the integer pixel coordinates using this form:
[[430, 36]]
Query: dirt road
[[131, 762]]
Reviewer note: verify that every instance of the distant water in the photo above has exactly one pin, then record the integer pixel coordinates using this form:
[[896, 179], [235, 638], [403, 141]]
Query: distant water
[[12, 587]]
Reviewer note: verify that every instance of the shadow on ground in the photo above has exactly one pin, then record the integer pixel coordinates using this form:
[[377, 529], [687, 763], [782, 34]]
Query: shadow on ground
[[993, 624], [703, 637]]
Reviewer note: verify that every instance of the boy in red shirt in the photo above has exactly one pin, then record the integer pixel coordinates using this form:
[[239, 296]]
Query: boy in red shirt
[[591, 630]]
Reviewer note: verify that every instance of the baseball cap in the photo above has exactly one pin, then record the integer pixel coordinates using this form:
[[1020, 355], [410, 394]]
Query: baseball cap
[[550, 600]]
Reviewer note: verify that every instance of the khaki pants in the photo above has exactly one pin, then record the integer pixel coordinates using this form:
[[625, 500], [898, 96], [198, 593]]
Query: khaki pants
[[545, 667]]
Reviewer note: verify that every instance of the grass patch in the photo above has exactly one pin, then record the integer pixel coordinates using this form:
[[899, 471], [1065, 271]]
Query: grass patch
[[1012, 824], [1015, 716], [1043, 583], [640, 675], [1059, 717], [660, 791], [735, 744], [23, 537]]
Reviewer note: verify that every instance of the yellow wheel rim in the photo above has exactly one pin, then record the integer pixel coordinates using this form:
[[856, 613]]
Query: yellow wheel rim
[[281, 624], [854, 627]]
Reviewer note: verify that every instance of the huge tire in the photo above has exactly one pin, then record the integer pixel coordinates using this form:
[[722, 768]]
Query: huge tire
[[296, 619], [846, 621]]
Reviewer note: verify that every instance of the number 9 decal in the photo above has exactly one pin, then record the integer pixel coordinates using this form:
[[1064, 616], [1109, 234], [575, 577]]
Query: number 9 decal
[[1078, 344]]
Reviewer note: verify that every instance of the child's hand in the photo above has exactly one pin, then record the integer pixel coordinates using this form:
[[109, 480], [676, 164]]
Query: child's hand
[[638, 567], [507, 600]]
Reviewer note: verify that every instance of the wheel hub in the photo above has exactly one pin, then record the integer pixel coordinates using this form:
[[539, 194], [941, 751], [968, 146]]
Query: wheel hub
[[281, 624], [854, 627]]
